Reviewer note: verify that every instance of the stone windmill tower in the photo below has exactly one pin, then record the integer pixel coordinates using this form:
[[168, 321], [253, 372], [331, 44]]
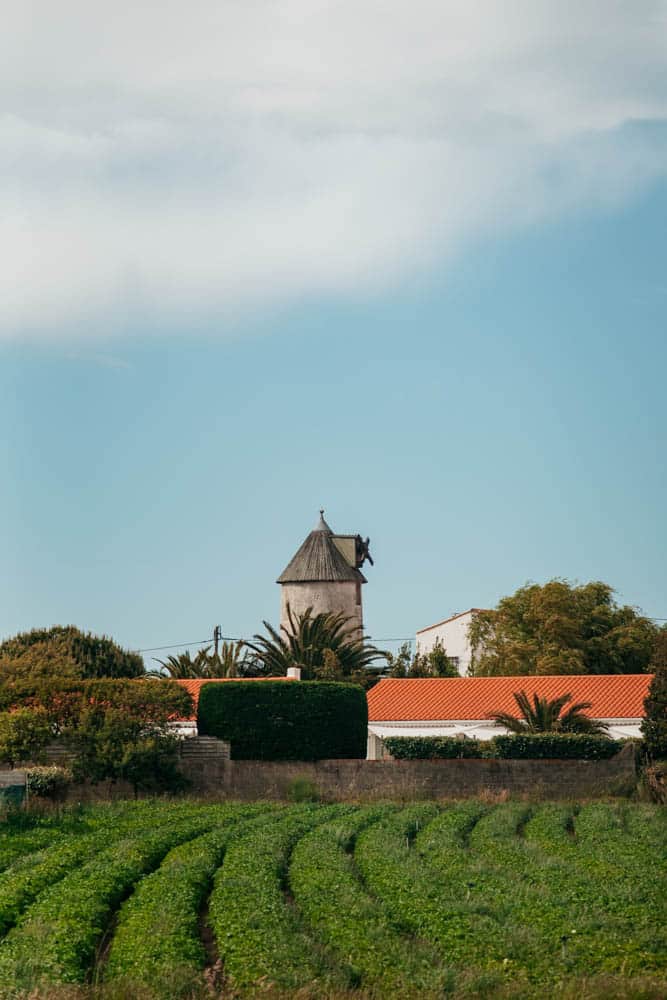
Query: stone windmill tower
[[325, 574]]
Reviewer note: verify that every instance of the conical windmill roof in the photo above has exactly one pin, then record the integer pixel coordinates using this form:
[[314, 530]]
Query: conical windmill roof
[[319, 560]]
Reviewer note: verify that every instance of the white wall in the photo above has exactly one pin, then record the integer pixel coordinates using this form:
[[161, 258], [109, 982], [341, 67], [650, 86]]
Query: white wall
[[453, 635]]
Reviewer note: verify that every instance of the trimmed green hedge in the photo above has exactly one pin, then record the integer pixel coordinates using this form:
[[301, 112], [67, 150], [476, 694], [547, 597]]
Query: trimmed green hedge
[[555, 746], [286, 720], [531, 746], [431, 747]]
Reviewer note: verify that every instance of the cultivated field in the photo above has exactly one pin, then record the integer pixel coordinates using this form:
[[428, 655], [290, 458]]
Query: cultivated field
[[167, 900]]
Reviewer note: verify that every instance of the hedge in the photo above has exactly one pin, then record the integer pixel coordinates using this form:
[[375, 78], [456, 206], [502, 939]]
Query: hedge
[[531, 746], [432, 747], [555, 746], [286, 720]]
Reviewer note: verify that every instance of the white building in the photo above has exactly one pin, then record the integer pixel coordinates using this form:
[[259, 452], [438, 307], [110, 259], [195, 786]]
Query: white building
[[452, 635]]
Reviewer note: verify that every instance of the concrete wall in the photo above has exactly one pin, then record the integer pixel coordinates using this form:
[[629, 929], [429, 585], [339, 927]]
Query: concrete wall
[[341, 780], [343, 597], [453, 635]]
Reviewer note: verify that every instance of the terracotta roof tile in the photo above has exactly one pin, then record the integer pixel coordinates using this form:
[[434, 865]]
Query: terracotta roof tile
[[613, 696]]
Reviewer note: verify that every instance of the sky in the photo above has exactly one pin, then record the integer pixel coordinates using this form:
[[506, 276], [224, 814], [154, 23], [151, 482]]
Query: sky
[[405, 263]]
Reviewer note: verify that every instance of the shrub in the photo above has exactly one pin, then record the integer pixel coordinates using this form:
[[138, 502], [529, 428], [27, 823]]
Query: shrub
[[23, 735], [112, 744], [555, 746], [47, 782], [286, 720], [302, 789], [433, 747]]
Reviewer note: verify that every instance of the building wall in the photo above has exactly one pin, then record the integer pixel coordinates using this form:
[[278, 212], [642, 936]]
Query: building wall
[[342, 597], [453, 635]]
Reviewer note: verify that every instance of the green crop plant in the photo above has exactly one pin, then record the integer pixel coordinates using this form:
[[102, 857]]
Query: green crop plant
[[157, 940], [259, 936], [57, 938], [349, 921]]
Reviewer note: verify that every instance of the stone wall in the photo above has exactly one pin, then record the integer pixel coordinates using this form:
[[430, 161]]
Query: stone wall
[[340, 780], [205, 762]]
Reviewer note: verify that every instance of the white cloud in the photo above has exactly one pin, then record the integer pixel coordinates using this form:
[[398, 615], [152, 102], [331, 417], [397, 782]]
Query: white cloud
[[172, 159]]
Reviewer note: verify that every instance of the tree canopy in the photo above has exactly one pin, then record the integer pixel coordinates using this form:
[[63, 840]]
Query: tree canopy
[[232, 660], [435, 663], [326, 647], [65, 652], [654, 726], [561, 628]]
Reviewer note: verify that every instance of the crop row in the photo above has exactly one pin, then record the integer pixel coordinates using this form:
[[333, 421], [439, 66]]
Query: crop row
[[157, 940], [31, 875], [57, 938], [425, 876], [259, 935], [355, 926], [414, 902]]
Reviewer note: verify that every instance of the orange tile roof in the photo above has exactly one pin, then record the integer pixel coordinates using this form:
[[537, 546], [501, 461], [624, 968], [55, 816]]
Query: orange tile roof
[[613, 696], [193, 687]]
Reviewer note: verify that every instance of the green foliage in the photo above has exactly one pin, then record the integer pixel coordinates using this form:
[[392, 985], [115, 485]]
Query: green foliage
[[435, 663], [286, 720], [348, 920], [324, 646], [556, 746], [116, 729], [24, 733], [654, 726], [528, 746], [232, 660], [63, 701], [157, 940], [48, 782], [560, 628], [433, 747], [302, 789], [65, 652], [546, 715], [260, 938], [110, 744], [59, 936], [463, 900]]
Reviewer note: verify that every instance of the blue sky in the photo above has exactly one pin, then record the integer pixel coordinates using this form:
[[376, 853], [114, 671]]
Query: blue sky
[[430, 299]]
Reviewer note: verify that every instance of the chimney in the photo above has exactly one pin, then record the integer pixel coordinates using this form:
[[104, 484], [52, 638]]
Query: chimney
[[294, 673]]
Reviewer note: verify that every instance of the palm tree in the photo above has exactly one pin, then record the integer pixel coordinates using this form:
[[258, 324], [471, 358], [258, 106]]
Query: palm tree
[[543, 715], [231, 661], [326, 645]]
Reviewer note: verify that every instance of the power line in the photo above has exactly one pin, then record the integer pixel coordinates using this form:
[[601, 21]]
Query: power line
[[182, 645], [231, 638]]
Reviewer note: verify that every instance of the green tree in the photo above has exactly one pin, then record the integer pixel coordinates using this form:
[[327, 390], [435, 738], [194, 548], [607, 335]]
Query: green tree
[[560, 628], [324, 646], [654, 726], [435, 663], [545, 715], [232, 660], [64, 651]]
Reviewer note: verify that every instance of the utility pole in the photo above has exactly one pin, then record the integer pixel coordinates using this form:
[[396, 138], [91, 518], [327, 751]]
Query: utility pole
[[217, 636]]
